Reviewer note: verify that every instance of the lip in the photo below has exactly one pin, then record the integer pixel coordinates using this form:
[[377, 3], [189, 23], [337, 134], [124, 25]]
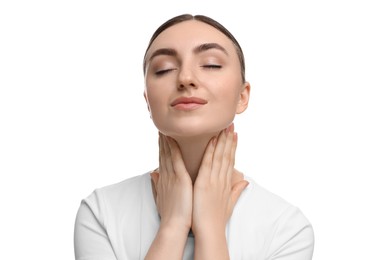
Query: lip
[[188, 103]]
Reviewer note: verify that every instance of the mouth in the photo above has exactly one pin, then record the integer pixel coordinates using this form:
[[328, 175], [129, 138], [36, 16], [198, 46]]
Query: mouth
[[188, 103]]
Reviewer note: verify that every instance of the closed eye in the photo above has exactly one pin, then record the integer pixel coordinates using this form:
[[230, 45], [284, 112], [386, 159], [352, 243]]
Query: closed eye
[[162, 72], [212, 66]]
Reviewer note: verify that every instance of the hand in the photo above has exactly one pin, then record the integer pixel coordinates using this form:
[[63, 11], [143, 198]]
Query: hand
[[215, 193], [173, 187]]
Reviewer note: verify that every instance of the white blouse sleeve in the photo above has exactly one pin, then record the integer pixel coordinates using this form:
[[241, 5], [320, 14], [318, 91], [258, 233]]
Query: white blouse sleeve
[[90, 237], [293, 237]]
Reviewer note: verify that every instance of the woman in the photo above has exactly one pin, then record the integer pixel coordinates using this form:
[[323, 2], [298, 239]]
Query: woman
[[195, 205]]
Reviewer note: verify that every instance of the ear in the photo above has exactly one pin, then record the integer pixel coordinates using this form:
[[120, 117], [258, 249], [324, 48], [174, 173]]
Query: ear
[[147, 101], [244, 98]]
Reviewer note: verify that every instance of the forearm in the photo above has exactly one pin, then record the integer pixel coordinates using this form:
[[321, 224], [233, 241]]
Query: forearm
[[168, 244], [211, 245]]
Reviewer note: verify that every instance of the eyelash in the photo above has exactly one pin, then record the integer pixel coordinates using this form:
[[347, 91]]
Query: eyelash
[[162, 72], [209, 66], [212, 66]]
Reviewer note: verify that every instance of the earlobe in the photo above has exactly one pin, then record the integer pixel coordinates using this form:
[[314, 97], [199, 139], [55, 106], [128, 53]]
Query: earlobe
[[147, 102], [244, 98]]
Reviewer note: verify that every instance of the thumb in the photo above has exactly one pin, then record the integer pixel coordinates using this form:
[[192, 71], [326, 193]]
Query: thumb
[[237, 190], [155, 176]]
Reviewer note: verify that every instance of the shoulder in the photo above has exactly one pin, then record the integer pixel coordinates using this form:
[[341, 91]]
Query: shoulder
[[269, 206], [114, 196], [283, 224], [263, 201], [130, 185]]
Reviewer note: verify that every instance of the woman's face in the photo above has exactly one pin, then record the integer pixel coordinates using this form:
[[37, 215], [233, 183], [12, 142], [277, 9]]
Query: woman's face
[[193, 83]]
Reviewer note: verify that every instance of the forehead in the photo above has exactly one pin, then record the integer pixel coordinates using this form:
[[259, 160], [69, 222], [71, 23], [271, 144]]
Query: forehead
[[189, 34]]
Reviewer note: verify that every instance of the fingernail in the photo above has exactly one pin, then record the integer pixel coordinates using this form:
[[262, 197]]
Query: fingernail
[[214, 140], [229, 129]]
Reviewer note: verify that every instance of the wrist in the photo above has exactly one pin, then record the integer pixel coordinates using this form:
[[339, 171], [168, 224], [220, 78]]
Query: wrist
[[172, 229], [205, 229], [210, 234], [169, 243], [211, 244]]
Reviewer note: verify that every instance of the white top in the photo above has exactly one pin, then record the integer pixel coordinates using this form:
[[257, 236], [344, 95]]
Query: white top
[[120, 221]]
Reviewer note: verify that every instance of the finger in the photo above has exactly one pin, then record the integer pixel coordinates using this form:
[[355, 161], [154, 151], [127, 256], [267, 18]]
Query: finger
[[162, 165], [232, 157], [167, 155], [205, 167], [218, 153], [160, 152], [155, 176], [236, 191], [176, 157], [228, 155], [165, 164]]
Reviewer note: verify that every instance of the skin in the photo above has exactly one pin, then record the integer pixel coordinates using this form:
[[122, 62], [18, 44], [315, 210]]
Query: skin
[[196, 185]]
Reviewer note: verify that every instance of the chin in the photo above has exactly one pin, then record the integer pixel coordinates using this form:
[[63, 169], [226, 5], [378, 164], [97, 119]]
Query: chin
[[194, 126], [190, 131]]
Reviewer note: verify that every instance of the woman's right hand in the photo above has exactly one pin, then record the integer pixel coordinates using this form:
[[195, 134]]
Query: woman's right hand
[[173, 187], [173, 195]]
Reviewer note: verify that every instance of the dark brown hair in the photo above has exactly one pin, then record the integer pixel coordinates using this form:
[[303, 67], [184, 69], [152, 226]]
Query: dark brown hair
[[204, 19]]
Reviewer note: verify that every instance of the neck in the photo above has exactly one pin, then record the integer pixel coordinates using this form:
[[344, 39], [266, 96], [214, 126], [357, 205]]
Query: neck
[[192, 150]]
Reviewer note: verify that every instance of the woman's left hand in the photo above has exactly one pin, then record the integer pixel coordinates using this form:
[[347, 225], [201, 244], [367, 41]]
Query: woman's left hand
[[215, 193]]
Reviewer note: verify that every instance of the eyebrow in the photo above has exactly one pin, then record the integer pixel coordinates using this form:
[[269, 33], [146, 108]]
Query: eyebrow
[[198, 49], [163, 51], [208, 46]]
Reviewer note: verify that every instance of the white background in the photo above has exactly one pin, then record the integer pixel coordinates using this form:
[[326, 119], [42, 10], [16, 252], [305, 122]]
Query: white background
[[73, 118]]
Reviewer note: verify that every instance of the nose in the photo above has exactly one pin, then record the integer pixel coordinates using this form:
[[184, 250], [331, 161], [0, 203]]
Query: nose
[[187, 78]]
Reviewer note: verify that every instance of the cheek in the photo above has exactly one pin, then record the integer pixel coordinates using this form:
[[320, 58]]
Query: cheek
[[153, 95], [155, 103], [228, 94], [157, 106], [155, 109]]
